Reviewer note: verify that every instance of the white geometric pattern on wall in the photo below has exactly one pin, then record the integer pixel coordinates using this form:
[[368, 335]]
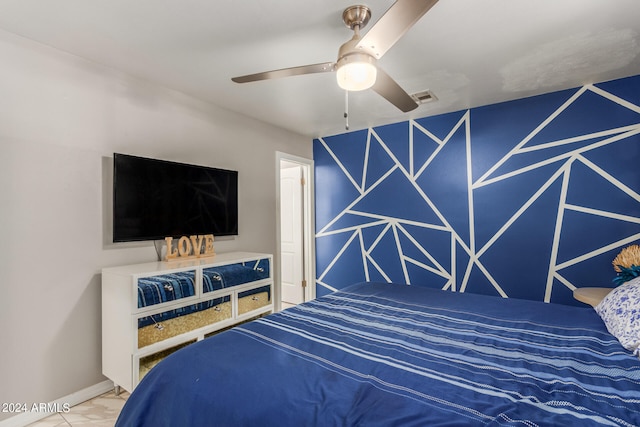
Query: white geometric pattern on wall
[[528, 199]]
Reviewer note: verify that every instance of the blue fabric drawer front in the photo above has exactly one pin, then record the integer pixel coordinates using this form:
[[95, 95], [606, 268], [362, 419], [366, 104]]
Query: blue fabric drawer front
[[167, 287], [226, 276]]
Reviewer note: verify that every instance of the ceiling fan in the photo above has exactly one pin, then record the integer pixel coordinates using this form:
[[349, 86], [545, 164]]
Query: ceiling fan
[[356, 67]]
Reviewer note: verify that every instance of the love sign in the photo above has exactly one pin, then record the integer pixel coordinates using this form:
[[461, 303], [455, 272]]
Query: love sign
[[190, 247]]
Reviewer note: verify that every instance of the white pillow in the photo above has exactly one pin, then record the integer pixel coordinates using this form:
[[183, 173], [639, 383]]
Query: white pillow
[[620, 311]]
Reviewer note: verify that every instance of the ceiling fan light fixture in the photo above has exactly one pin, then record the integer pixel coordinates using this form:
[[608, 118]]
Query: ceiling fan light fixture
[[356, 67], [356, 72]]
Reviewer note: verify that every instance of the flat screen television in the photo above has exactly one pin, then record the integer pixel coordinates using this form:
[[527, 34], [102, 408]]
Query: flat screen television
[[154, 199]]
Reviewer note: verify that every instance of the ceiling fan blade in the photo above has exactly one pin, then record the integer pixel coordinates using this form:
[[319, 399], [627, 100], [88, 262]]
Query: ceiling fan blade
[[386, 87], [396, 21], [287, 72]]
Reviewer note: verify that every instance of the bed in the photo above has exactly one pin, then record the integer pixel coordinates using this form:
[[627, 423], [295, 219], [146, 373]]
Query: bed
[[378, 354]]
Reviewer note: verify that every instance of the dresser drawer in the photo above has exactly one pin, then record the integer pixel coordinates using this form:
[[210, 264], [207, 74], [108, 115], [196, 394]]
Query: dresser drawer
[[146, 363], [254, 299], [165, 288], [154, 328], [226, 276]]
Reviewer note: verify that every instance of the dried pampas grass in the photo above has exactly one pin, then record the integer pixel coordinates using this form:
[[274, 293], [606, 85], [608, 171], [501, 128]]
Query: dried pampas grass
[[627, 257]]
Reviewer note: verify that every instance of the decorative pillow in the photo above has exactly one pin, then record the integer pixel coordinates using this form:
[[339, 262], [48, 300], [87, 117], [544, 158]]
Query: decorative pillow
[[620, 311]]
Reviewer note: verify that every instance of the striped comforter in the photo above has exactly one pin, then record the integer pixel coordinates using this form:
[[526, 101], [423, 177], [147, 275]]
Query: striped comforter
[[393, 355]]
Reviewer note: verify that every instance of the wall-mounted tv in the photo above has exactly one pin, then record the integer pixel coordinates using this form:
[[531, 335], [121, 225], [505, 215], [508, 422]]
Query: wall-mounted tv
[[154, 199]]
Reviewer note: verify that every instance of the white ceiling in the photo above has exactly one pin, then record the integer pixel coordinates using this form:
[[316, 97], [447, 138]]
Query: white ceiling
[[468, 52]]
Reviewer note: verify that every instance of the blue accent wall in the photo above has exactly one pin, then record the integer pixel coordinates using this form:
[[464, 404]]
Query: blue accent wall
[[525, 199]]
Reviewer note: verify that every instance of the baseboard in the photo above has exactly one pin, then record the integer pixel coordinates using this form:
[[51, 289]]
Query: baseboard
[[26, 418]]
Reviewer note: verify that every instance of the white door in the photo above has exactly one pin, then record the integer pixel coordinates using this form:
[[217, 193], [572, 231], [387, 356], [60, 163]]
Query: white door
[[291, 240]]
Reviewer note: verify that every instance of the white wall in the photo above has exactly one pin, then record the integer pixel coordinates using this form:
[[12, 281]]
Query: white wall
[[61, 119]]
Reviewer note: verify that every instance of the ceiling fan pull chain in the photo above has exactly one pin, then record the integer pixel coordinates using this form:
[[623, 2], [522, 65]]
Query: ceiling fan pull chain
[[346, 109]]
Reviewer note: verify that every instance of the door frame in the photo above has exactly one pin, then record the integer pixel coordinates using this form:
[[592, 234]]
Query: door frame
[[308, 226]]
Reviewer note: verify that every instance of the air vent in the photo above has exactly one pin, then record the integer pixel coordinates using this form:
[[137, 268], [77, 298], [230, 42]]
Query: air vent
[[424, 97]]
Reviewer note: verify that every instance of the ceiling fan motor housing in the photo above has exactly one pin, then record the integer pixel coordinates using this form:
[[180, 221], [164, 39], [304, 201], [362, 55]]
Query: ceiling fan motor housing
[[355, 69]]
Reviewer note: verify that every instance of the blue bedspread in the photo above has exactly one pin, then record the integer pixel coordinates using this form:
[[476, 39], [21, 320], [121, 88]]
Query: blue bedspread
[[394, 355]]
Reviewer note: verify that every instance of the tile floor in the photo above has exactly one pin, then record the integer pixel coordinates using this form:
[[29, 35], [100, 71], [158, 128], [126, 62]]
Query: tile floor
[[101, 411]]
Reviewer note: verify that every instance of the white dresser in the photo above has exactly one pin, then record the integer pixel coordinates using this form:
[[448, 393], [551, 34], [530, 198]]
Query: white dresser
[[153, 309]]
